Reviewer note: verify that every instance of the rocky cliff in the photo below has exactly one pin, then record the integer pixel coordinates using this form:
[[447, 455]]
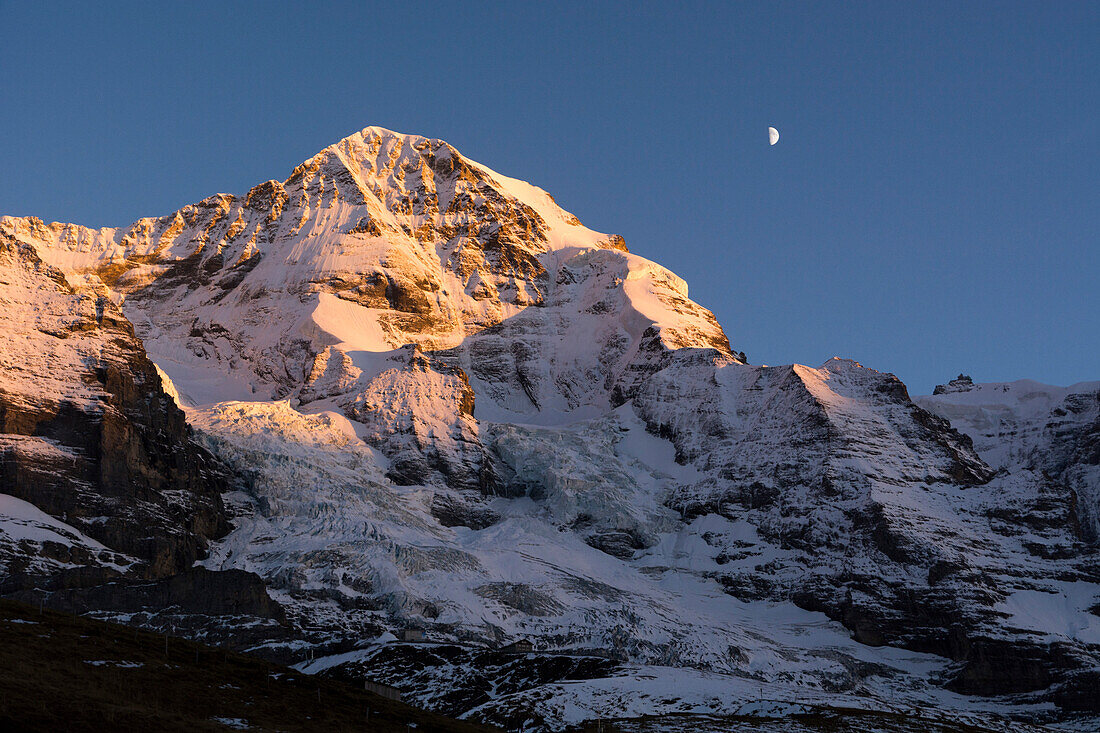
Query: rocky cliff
[[88, 434], [102, 489]]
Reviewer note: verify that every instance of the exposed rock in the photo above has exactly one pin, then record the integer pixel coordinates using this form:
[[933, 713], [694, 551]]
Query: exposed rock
[[457, 510], [961, 383], [193, 591], [89, 435]]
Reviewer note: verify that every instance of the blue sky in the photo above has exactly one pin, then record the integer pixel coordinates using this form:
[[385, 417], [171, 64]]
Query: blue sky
[[932, 207]]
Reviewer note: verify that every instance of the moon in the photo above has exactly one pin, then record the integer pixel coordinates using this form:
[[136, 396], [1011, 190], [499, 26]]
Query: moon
[[773, 136]]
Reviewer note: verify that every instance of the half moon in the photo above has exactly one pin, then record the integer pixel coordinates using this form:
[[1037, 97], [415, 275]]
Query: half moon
[[773, 136]]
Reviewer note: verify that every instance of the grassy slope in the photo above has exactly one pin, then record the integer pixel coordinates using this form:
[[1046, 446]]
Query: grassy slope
[[47, 683]]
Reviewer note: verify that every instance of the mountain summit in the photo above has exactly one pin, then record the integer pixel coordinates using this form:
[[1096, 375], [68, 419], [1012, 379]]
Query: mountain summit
[[428, 398]]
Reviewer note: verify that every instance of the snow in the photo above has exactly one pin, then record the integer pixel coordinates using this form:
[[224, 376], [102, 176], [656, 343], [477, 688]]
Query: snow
[[566, 230], [1025, 398], [1007, 420], [581, 597], [320, 664], [1028, 426], [1062, 611], [352, 327], [664, 691], [20, 520]]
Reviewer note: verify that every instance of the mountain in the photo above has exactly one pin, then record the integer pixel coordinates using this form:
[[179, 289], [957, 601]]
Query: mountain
[[429, 398], [1027, 426]]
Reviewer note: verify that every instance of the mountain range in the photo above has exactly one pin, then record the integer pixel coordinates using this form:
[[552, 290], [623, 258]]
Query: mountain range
[[400, 394]]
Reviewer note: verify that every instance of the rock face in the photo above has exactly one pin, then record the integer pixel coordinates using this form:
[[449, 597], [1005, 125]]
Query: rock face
[[447, 404], [103, 495], [1049, 439], [86, 432]]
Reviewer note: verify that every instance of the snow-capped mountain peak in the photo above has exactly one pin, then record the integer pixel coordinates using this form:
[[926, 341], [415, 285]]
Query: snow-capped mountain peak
[[449, 405], [378, 241]]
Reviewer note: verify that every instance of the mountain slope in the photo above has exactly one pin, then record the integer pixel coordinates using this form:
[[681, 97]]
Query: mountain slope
[[1025, 425]]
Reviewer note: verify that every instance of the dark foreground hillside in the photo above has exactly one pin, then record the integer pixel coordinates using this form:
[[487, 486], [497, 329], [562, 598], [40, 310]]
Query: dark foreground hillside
[[66, 673], [824, 720]]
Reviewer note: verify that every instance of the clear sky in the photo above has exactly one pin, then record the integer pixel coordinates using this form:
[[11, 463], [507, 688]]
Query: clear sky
[[932, 207]]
